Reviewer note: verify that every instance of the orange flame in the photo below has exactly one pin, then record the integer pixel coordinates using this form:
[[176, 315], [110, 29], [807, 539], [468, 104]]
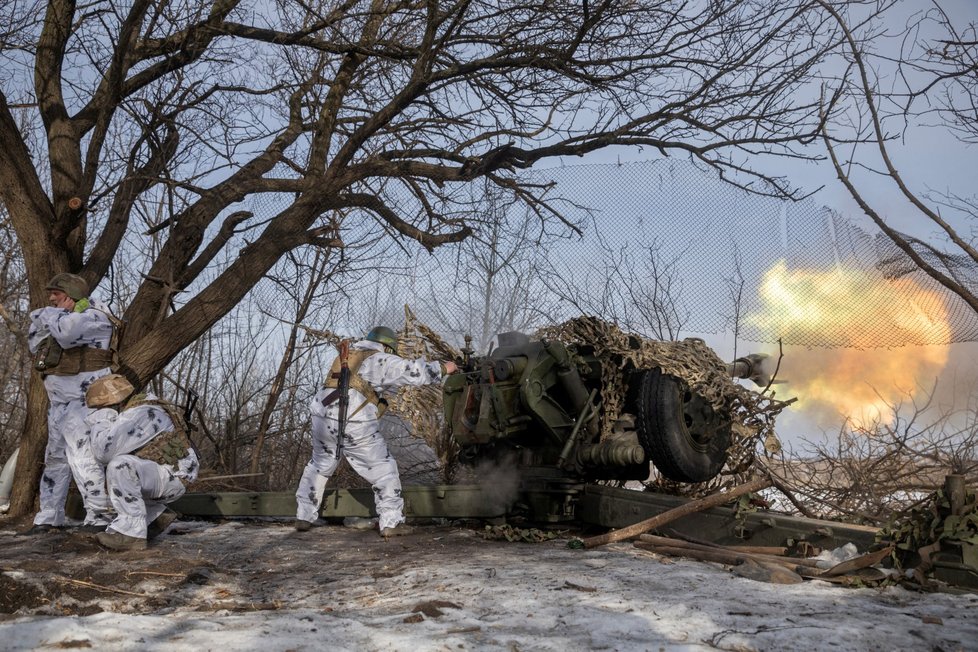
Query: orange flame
[[853, 310]]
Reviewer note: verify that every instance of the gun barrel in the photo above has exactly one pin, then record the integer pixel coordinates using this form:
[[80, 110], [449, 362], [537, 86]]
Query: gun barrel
[[750, 367]]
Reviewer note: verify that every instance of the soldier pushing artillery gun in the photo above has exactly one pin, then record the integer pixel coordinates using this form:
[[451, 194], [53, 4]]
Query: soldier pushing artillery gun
[[361, 378], [581, 401]]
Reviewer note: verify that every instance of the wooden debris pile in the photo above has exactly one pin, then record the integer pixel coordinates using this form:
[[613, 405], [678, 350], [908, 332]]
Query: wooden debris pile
[[767, 564], [772, 564]]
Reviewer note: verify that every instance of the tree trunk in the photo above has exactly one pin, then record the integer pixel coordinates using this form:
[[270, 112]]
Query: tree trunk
[[30, 461], [42, 262]]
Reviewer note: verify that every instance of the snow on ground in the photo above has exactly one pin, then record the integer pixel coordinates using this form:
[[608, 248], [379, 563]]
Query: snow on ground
[[263, 586]]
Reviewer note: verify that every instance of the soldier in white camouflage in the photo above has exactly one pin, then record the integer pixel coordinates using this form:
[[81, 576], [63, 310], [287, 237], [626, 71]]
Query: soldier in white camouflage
[[376, 372], [148, 459], [70, 341]]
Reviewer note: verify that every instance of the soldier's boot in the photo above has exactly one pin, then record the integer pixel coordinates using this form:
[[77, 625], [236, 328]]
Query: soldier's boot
[[39, 528], [160, 523], [116, 541], [302, 526], [91, 528], [396, 531]]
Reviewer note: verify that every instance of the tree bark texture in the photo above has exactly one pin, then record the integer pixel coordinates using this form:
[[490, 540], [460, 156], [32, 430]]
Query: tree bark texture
[[30, 461]]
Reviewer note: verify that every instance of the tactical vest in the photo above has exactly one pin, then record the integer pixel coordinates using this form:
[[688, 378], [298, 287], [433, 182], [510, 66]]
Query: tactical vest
[[169, 446], [354, 362], [52, 360]]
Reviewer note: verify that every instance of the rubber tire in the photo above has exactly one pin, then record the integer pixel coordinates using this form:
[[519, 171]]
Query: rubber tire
[[681, 433]]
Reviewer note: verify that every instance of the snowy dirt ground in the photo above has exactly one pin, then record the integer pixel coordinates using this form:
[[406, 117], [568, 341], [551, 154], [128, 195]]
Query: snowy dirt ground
[[263, 586]]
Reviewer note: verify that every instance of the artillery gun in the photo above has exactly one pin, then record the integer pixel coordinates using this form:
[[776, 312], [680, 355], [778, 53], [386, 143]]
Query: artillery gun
[[540, 401], [584, 402]]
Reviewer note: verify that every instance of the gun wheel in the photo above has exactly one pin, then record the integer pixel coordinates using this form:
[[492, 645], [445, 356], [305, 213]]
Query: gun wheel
[[682, 434]]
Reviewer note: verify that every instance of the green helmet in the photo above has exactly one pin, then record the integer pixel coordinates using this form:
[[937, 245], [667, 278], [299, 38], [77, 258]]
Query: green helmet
[[71, 284], [383, 335]]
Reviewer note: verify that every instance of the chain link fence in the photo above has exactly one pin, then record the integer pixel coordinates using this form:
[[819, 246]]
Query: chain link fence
[[660, 247]]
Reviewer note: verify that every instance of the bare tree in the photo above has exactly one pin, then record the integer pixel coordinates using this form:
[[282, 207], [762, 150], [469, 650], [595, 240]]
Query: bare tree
[[948, 66], [948, 63], [338, 112], [869, 472], [637, 288], [735, 290], [315, 274], [495, 275], [14, 368]]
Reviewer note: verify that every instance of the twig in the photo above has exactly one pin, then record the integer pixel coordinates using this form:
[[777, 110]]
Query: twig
[[227, 477], [781, 484], [99, 587], [329, 336], [777, 368], [790, 495], [12, 325], [128, 573]]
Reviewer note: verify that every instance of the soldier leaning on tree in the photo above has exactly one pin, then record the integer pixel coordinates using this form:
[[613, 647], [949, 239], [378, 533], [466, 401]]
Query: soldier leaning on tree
[[144, 445], [70, 341]]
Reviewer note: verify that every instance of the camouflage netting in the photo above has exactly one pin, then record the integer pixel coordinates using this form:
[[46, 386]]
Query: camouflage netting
[[421, 407], [692, 361], [681, 235], [923, 532]]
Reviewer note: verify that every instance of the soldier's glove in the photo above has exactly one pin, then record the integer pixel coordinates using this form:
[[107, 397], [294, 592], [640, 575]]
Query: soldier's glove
[[82, 305]]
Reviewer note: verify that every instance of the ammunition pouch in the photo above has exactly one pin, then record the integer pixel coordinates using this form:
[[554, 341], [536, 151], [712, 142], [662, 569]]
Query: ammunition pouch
[[356, 382], [48, 355], [166, 448], [52, 360]]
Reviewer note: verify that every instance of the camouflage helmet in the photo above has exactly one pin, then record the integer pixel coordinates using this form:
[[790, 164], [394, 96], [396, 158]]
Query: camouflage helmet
[[108, 390], [383, 335], [71, 284]]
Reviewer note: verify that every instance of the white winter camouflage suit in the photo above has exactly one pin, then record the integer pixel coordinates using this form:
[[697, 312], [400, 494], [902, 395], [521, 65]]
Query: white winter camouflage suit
[[68, 451], [363, 446], [140, 489]]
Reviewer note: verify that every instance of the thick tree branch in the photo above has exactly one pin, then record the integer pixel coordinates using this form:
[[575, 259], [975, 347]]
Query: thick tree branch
[[427, 240], [870, 103], [107, 97], [214, 247]]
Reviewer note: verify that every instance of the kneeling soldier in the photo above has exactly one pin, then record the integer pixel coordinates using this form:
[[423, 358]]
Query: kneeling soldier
[[147, 455]]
